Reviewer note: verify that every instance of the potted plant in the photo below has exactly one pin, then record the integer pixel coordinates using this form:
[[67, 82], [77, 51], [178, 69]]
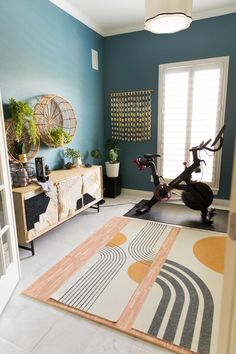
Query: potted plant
[[24, 125], [20, 150], [96, 155], [112, 165], [74, 155], [59, 137]]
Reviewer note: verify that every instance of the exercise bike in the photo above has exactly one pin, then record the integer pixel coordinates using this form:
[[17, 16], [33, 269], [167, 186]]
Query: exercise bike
[[195, 195]]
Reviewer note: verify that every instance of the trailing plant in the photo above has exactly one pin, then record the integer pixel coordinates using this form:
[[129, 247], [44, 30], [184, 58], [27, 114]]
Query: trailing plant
[[71, 153], [59, 137], [24, 118]]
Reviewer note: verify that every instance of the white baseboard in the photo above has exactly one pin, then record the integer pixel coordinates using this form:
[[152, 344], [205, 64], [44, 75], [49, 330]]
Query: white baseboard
[[219, 203]]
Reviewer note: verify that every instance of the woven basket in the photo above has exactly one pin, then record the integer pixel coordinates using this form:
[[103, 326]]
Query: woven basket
[[31, 149], [52, 112]]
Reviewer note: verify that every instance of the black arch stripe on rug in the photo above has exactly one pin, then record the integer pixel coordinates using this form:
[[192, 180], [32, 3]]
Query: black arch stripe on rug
[[90, 286], [97, 283], [107, 275], [192, 311], [208, 312], [191, 316], [177, 307], [141, 248], [96, 276], [93, 272], [161, 309]]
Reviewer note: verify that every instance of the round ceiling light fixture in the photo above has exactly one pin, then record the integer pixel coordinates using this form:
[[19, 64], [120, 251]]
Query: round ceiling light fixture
[[167, 16]]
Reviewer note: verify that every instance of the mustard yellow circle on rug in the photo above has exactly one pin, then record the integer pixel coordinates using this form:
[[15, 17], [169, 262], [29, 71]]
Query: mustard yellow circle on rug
[[138, 270], [211, 252], [117, 240]]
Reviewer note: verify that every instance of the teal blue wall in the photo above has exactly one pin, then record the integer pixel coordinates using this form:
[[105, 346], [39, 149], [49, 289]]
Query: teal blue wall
[[44, 50], [131, 63]]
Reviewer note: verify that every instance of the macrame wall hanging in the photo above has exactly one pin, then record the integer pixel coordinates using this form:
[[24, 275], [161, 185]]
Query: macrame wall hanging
[[131, 115]]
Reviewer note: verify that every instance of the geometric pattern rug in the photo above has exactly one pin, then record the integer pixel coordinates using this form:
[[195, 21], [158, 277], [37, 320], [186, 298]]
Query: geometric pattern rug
[[95, 286], [150, 280]]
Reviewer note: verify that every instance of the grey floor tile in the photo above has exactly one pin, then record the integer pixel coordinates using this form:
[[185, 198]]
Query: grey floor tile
[[7, 347]]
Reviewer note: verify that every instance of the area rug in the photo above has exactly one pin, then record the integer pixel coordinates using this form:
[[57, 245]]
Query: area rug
[[150, 280], [95, 287], [181, 215]]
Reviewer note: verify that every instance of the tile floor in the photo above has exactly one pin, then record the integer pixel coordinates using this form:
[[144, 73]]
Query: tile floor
[[27, 326]]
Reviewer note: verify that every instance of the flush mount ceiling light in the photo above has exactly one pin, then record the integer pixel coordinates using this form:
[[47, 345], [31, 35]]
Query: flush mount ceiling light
[[167, 16]]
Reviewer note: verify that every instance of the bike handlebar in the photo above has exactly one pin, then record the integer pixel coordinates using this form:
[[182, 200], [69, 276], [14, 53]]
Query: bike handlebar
[[149, 158], [203, 145], [219, 135]]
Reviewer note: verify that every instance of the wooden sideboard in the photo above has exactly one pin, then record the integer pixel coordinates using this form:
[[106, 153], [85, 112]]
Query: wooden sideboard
[[72, 192]]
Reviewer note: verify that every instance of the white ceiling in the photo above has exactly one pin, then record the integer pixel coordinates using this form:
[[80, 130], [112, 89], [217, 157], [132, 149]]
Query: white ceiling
[[109, 17]]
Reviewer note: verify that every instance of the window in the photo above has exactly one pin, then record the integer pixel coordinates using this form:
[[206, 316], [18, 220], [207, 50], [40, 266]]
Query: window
[[191, 109]]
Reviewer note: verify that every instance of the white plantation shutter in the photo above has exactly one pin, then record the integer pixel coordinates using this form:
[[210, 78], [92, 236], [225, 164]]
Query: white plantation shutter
[[191, 109]]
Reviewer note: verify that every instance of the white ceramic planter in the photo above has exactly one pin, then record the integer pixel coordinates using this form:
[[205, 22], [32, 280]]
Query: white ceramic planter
[[112, 169], [77, 161]]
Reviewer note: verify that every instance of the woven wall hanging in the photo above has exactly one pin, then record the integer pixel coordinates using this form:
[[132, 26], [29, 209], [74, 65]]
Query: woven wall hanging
[[53, 113], [131, 115], [30, 149]]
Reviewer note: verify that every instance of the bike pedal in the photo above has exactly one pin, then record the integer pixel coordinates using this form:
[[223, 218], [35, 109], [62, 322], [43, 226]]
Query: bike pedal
[[212, 212], [207, 222], [142, 210]]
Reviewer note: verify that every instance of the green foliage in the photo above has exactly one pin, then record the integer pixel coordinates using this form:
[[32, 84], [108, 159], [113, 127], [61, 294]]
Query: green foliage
[[96, 154], [19, 148], [113, 155], [111, 144], [113, 151], [32, 131], [24, 118], [69, 152], [59, 137]]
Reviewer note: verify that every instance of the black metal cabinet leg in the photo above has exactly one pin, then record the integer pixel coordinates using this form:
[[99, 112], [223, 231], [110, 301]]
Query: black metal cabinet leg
[[96, 206], [31, 249]]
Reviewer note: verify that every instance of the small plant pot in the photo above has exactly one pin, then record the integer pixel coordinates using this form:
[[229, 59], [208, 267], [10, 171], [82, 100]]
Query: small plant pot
[[22, 157], [112, 169], [77, 161]]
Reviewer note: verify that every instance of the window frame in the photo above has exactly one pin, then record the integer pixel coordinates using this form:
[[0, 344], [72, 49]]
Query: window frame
[[162, 69]]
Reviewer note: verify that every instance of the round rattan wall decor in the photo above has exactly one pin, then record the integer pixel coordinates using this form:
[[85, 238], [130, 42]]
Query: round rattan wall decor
[[29, 148], [54, 113]]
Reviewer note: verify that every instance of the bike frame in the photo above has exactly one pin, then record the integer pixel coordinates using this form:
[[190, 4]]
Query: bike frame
[[184, 176], [187, 173], [162, 190]]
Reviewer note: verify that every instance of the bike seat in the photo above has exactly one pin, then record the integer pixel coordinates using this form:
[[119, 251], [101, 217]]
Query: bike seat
[[151, 156]]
